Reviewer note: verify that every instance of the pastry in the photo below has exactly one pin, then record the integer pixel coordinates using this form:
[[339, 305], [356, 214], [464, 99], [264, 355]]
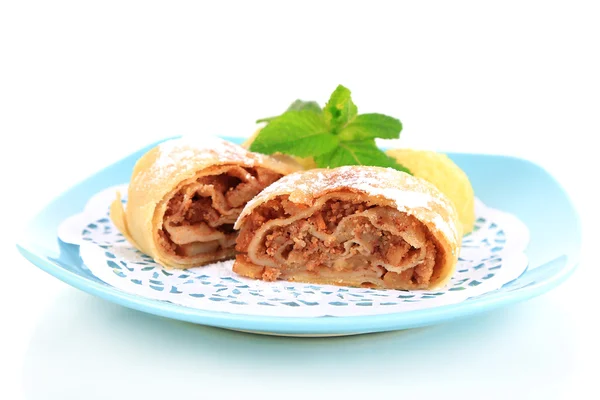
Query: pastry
[[185, 196], [351, 226]]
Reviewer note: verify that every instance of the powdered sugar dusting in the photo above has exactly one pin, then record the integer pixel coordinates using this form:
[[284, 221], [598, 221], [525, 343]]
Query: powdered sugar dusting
[[409, 193], [185, 153]]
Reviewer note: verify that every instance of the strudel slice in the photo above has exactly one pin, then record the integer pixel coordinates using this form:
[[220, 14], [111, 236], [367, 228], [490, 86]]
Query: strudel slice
[[185, 195], [351, 226]]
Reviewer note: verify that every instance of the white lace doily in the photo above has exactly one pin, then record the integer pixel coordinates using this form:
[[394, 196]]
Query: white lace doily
[[491, 256]]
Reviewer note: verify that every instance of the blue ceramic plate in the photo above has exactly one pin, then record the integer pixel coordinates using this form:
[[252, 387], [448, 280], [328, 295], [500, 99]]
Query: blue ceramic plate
[[510, 184]]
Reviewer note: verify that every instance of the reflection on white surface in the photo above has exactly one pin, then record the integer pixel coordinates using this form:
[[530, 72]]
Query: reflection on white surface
[[87, 348]]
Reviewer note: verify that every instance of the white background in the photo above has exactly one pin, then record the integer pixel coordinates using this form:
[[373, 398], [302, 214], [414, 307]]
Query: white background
[[83, 84]]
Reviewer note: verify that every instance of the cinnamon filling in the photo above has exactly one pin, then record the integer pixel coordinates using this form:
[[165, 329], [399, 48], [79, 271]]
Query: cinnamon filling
[[337, 241], [199, 217]]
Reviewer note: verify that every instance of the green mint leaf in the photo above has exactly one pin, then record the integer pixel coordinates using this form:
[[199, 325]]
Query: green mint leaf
[[340, 109], [370, 126], [298, 133], [359, 152], [298, 105]]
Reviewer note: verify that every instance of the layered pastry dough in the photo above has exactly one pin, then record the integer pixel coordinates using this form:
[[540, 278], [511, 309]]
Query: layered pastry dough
[[185, 196], [352, 226]]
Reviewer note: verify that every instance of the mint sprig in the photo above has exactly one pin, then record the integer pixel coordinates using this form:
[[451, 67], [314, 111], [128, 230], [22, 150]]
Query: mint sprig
[[334, 136]]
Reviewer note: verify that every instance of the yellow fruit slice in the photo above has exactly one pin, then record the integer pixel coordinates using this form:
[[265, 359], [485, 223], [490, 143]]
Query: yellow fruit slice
[[442, 172]]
